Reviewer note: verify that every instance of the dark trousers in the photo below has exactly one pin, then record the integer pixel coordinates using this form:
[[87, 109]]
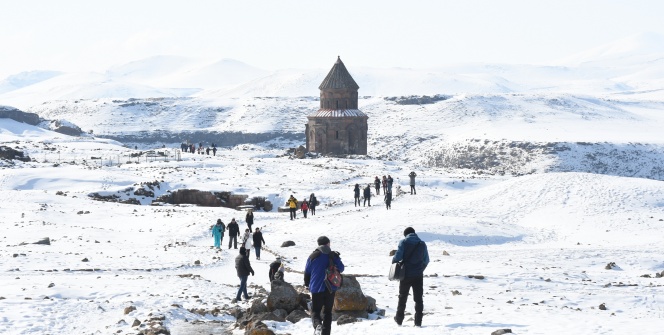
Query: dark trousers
[[304, 211], [357, 201], [318, 301], [404, 287], [412, 189], [313, 210], [377, 189], [232, 239], [367, 200], [258, 251], [388, 204], [292, 213]]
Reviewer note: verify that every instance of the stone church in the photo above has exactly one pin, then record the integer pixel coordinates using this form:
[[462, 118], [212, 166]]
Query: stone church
[[338, 127]]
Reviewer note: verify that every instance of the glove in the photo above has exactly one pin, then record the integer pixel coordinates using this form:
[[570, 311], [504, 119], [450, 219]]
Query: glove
[[252, 273]]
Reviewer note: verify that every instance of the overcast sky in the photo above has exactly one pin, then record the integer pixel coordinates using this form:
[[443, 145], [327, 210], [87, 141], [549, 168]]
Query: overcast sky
[[87, 35]]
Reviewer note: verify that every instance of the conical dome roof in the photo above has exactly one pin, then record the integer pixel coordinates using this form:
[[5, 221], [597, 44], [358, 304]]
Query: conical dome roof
[[338, 78]]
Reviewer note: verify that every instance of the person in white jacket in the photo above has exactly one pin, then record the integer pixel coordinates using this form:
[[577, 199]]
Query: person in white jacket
[[247, 240]]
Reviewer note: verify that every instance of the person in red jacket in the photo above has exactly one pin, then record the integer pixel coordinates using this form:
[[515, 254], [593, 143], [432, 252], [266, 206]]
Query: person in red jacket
[[305, 208]]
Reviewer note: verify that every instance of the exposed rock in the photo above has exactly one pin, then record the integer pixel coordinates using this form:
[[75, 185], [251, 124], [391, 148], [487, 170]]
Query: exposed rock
[[258, 329], [197, 262], [65, 127], [129, 309], [476, 277], [345, 319], [502, 331], [258, 307], [194, 197], [455, 292], [371, 304], [445, 253], [136, 323], [282, 296], [602, 307], [287, 244], [44, 241], [300, 152], [19, 116], [610, 266], [51, 285], [85, 260], [350, 297], [280, 313], [10, 154], [355, 314], [297, 315]]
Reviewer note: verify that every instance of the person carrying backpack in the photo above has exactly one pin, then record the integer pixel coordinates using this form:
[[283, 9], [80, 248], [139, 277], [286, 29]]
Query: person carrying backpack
[[412, 251], [388, 199], [317, 280]]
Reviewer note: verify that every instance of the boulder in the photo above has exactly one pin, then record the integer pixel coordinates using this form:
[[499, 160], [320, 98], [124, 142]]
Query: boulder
[[297, 315], [129, 309], [258, 307], [371, 304], [11, 154], [19, 116], [502, 331], [350, 297], [194, 197], [280, 313], [282, 296], [300, 152], [287, 244], [345, 319], [65, 127]]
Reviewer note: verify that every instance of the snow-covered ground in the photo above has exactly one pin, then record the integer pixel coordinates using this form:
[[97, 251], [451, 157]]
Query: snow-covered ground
[[533, 177], [541, 241]]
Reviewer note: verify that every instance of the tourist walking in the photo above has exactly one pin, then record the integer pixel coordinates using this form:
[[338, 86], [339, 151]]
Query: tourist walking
[[243, 268], [249, 219], [412, 251], [388, 199], [258, 242], [367, 195], [412, 176], [384, 182], [304, 208], [357, 194], [377, 185], [292, 205], [233, 233], [322, 292], [313, 202], [390, 181], [247, 241], [218, 233]]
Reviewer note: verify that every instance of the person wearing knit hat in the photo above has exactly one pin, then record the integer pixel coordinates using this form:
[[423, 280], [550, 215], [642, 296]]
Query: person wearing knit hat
[[315, 279], [412, 251]]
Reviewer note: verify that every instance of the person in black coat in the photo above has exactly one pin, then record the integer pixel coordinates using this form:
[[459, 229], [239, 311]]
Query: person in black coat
[[258, 242], [249, 218], [276, 270], [367, 195], [312, 204], [243, 267], [357, 194], [388, 199], [233, 233], [377, 185]]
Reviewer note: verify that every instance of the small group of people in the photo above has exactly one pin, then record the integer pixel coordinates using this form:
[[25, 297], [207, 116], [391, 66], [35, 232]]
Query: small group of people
[[248, 240], [411, 251], [386, 183], [305, 206], [200, 149]]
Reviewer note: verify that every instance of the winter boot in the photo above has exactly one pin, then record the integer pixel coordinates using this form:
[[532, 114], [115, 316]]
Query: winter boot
[[418, 320], [398, 320]]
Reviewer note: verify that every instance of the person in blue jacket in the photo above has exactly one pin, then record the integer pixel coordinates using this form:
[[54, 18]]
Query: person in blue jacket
[[322, 293], [413, 252], [218, 233]]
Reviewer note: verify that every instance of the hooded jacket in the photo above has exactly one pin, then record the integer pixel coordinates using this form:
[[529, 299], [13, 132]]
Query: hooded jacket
[[317, 263], [418, 259]]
